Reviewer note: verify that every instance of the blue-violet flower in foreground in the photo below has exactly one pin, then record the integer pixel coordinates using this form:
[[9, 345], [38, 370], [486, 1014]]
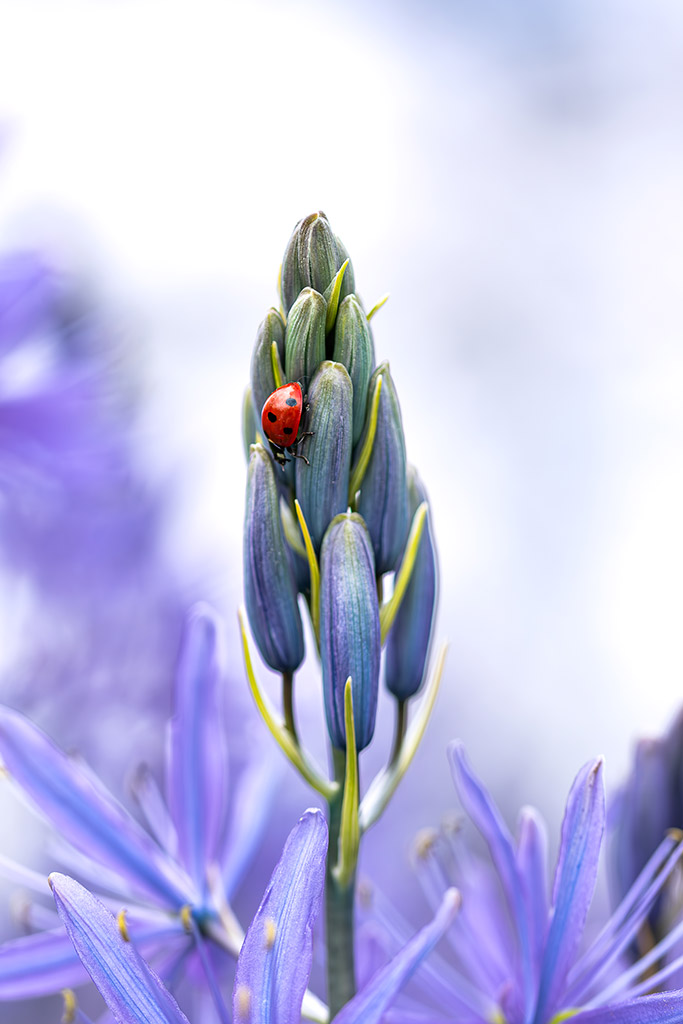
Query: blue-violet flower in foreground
[[177, 882], [275, 961], [516, 951]]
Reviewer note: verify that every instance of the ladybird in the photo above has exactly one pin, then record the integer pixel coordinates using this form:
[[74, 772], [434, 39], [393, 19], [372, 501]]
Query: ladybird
[[280, 420]]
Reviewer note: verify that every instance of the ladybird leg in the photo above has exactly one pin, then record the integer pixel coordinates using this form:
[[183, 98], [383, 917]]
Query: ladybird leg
[[297, 456]]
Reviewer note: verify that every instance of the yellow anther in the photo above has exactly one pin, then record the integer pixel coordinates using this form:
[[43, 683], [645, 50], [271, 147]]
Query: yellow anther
[[242, 1002], [69, 997], [424, 842], [564, 1015], [123, 925], [270, 931], [676, 834], [186, 917]]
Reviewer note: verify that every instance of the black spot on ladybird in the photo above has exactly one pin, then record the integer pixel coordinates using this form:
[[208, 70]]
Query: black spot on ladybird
[[290, 401], [287, 430], [272, 417]]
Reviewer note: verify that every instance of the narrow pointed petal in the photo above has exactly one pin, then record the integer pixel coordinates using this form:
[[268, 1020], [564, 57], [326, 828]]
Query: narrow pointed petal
[[487, 818], [575, 876], [662, 1008], [249, 814], [198, 750], [275, 961], [532, 861], [131, 990], [84, 813], [369, 1005]]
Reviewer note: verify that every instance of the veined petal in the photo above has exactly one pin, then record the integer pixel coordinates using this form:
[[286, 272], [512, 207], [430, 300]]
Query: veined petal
[[368, 1006], [661, 1008], [85, 813], [577, 865], [532, 861], [131, 990], [198, 747], [487, 818], [275, 960]]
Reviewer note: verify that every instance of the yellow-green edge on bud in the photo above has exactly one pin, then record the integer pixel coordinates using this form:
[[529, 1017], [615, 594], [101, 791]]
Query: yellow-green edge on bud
[[278, 372], [361, 464], [333, 298], [280, 733], [349, 831], [388, 611], [314, 571], [384, 785], [378, 306]]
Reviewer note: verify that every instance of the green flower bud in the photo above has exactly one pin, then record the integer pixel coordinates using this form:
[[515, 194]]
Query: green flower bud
[[312, 258], [408, 640], [322, 487], [349, 628], [383, 500], [270, 589], [354, 348], [305, 337], [263, 382]]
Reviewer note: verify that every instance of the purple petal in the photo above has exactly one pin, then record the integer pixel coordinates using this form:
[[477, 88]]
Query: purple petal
[[369, 1005], [38, 965], [249, 813], [662, 1008], [84, 812], [198, 752], [28, 289], [575, 875], [275, 961], [131, 990], [42, 964], [487, 818], [532, 862]]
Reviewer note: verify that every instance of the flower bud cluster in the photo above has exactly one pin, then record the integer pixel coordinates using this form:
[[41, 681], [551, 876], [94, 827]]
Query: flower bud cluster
[[348, 473]]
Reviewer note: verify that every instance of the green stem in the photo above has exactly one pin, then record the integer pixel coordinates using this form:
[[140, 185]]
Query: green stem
[[339, 907], [288, 703], [399, 735]]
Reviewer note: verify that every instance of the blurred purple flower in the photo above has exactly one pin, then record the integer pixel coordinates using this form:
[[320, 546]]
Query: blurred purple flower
[[649, 804], [275, 961], [80, 529], [177, 879], [516, 951]]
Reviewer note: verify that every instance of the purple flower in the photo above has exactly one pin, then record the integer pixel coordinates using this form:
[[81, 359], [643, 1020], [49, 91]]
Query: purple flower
[[518, 951], [649, 804], [275, 961], [177, 879]]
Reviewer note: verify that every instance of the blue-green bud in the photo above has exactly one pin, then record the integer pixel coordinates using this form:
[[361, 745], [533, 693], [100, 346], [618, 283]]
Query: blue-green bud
[[323, 486], [305, 337], [263, 382], [248, 422], [354, 348], [383, 501], [312, 258], [349, 628], [269, 586], [349, 284], [408, 641]]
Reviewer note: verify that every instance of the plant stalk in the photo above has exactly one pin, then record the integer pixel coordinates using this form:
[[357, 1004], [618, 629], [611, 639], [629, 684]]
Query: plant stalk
[[339, 908]]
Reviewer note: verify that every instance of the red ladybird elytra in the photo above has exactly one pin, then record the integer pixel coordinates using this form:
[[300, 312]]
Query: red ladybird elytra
[[280, 421]]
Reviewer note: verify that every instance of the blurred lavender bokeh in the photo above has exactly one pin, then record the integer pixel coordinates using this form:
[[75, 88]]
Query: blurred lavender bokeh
[[511, 174]]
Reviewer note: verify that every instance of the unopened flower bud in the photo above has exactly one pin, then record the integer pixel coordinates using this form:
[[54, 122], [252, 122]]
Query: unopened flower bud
[[322, 487], [349, 628], [354, 348], [312, 258], [263, 383], [269, 585], [305, 336], [408, 641], [248, 422], [383, 501]]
